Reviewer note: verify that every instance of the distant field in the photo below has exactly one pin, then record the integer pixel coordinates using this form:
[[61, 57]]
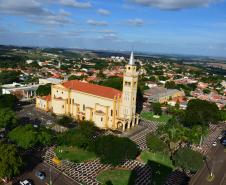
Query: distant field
[[149, 116]]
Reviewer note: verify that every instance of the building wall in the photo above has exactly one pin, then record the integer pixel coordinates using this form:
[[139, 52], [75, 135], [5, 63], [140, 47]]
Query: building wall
[[43, 104], [130, 81], [82, 106]]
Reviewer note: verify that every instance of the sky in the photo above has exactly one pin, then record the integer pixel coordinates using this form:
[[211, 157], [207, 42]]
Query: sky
[[196, 27]]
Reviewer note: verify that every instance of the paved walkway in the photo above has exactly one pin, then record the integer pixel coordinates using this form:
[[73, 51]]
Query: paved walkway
[[87, 172], [140, 137]]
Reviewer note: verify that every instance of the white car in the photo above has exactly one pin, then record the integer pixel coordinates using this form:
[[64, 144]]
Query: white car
[[214, 143], [25, 182], [219, 137]]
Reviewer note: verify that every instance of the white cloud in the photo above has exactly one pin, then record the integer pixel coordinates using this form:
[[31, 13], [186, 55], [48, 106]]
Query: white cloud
[[23, 7], [175, 4], [107, 31], [75, 3], [34, 11], [103, 12], [96, 23], [135, 22], [109, 34], [51, 20]]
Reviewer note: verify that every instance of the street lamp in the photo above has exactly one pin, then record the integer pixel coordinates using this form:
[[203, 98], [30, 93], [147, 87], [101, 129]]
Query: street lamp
[[50, 176], [211, 175]]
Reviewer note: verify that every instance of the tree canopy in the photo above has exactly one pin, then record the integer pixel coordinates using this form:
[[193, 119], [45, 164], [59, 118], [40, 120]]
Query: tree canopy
[[201, 112], [113, 150], [156, 145], [10, 161], [82, 136], [7, 77], [188, 159], [44, 90], [8, 101], [156, 107], [27, 136], [8, 118], [170, 85], [114, 82], [64, 120]]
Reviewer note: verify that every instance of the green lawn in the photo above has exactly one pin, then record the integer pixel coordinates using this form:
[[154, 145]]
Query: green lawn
[[74, 154], [149, 116], [161, 165], [116, 177], [157, 157]]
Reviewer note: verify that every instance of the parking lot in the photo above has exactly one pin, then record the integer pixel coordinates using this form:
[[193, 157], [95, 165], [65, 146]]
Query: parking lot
[[29, 114]]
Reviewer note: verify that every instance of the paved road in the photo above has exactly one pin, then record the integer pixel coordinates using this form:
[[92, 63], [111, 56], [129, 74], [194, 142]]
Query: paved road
[[217, 163], [57, 177], [32, 115]]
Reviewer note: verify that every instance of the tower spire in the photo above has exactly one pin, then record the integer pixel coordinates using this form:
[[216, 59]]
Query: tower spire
[[131, 60]]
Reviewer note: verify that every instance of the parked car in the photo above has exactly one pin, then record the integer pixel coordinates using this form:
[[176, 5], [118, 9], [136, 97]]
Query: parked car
[[40, 175], [26, 182], [214, 143], [223, 140], [220, 136], [223, 133]]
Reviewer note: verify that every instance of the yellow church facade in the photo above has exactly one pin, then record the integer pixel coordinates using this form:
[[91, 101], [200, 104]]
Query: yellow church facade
[[107, 107]]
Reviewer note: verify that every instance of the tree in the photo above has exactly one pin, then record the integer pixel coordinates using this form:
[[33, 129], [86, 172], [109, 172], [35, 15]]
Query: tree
[[114, 150], [223, 115], [73, 77], [82, 136], [64, 120], [170, 85], [7, 77], [196, 133], [157, 108], [201, 112], [10, 161], [8, 101], [44, 136], [44, 90], [156, 145], [114, 82], [206, 91], [27, 136], [188, 159], [8, 118]]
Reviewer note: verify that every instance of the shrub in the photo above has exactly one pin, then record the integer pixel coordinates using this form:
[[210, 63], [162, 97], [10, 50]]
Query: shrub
[[156, 145]]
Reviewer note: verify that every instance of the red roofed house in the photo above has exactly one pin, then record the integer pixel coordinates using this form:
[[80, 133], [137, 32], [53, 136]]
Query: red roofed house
[[107, 107]]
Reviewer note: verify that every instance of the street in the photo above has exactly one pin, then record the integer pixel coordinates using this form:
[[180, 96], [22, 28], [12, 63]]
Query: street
[[216, 161], [57, 177]]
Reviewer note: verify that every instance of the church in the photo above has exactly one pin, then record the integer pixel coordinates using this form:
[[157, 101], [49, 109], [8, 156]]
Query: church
[[107, 107]]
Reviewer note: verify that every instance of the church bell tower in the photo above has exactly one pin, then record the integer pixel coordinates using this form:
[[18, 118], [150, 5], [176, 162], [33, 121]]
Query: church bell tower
[[129, 93]]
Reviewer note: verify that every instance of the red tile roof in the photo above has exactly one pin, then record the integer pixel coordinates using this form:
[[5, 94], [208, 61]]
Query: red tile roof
[[94, 89], [47, 98]]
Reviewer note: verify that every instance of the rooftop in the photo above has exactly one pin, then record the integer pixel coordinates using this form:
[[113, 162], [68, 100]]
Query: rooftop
[[94, 89]]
